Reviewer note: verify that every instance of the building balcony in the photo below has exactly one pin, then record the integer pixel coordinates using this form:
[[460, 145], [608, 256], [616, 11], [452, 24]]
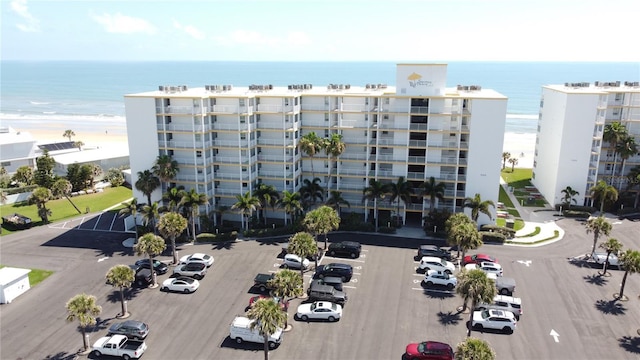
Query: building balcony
[[353, 172], [232, 175], [389, 125], [415, 175], [388, 141], [356, 107], [316, 107], [419, 109], [417, 143], [230, 109], [386, 108], [198, 161], [387, 157], [244, 143], [185, 144], [191, 128], [353, 124], [276, 142], [272, 108], [349, 156], [281, 174], [382, 173], [231, 160], [275, 158], [356, 187], [181, 110], [276, 125], [414, 207], [223, 191], [230, 127], [193, 178], [317, 123], [417, 159]]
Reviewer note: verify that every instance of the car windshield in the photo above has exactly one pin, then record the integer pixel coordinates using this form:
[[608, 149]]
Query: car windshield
[[334, 307], [444, 263], [421, 347]]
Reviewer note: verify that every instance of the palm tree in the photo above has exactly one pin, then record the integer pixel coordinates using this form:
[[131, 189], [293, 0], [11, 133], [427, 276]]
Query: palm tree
[[171, 225], [569, 195], [311, 191], [147, 183], [599, 226], [173, 196], [433, 191], [513, 161], [478, 206], [475, 286], [150, 215], [268, 196], [191, 202], [290, 202], [84, 308], [334, 147], [287, 284], [467, 236], [62, 188], [96, 171], [453, 236], [165, 168], [336, 201], [121, 276], [152, 245], [613, 134], [626, 148], [400, 190], [303, 245], [131, 208], [268, 318], [3, 197], [376, 190], [321, 221], [633, 180], [40, 196], [611, 246], [505, 156], [474, 349], [311, 144], [603, 193], [630, 261], [69, 134], [78, 144], [247, 204]]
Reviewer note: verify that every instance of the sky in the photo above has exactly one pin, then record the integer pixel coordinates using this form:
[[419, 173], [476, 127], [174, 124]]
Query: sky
[[323, 30]]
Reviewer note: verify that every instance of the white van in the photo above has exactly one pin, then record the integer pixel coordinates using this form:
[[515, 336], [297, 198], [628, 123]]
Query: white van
[[240, 331]]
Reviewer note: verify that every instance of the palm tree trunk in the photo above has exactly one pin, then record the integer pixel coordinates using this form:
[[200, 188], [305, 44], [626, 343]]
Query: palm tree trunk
[[595, 241], [154, 278], [72, 204], [266, 347], [473, 306], [375, 213], [85, 345], [635, 203], [606, 263], [193, 226], [613, 167], [624, 280], [173, 248]]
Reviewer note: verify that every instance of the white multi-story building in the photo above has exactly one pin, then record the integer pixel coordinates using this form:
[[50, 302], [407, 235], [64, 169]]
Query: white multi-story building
[[229, 139], [570, 150]]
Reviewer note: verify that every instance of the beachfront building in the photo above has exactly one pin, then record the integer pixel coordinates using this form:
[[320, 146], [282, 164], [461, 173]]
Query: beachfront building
[[17, 148], [227, 139], [570, 150]]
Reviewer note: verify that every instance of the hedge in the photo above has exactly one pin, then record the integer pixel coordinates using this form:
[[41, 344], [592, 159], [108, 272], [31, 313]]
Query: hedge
[[387, 230], [208, 237], [589, 209], [492, 237], [576, 214], [509, 233]]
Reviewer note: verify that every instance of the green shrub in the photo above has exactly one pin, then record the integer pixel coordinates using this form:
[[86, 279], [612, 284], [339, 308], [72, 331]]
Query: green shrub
[[361, 226], [576, 214], [492, 237], [208, 237], [508, 233], [589, 209], [19, 190], [387, 230], [267, 232]]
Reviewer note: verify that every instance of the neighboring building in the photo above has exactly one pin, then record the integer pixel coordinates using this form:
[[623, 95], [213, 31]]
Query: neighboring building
[[105, 157], [16, 149], [13, 283], [569, 146], [228, 139]]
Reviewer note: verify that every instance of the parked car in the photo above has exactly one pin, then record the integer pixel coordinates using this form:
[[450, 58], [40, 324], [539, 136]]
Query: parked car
[[487, 267], [240, 331], [180, 284], [197, 257], [351, 249], [504, 285], [293, 261], [283, 304], [143, 277], [132, 329], [428, 350], [195, 270], [261, 281], [435, 263], [504, 302], [435, 277], [433, 250], [478, 258], [160, 267], [319, 292], [600, 258], [494, 319], [343, 271], [336, 282], [321, 310], [119, 345]]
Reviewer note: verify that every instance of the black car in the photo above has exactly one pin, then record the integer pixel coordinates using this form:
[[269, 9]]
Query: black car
[[143, 277], [131, 328], [433, 250], [346, 248], [319, 292], [342, 271], [160, 267]]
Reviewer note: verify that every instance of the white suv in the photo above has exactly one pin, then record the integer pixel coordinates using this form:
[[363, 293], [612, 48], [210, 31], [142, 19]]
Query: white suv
[[494, 319], [504, 302], [435, 263], [294, 261], [435, 277], [487, 267]]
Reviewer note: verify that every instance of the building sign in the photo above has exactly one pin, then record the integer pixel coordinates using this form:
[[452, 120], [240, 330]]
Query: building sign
[[421, 79], [415, 80]]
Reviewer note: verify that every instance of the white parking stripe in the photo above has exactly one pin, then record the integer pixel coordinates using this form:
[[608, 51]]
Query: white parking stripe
[[420, 275], [354, 260], [348, 287]]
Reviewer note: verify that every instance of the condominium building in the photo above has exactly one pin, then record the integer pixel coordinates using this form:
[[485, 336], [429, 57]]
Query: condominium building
[[570, 150], [229, 139]]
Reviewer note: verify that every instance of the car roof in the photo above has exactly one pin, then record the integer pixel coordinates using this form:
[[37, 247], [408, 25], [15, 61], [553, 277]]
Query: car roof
[[292, 256], [432, 258], [436, 345], [339, 265], [331, 279], [429, 247], [509, 299]]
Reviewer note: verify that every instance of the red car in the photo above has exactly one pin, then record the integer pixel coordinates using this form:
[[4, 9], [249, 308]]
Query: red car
[[284, 305], [478, 258], [428, 350]]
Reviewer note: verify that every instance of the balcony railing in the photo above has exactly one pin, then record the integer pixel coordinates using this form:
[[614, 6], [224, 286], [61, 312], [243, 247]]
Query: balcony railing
[[275, 158], [184, 127], [191, 162], [316, 107], [386, 157], [230, 109], [389, 125], [185, 144], [348, 186], [234, 143], [187, 110], [382, 173], [232, 176], [223, 191], [232, 127], [394, 109], [277, 125], [354, 172], [230, 159], [417, 159], [415, 175], [419, 109], [358, 124], [349, 156], [276, 174], [355, 107], [276, 142]]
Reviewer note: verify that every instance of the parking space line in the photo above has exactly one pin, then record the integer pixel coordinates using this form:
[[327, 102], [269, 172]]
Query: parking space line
[[354, 260], [420, 275], [348, 287]]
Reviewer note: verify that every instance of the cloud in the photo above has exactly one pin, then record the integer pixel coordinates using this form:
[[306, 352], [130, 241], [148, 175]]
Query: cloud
[[189, 30], [122, 24], [31, 24]]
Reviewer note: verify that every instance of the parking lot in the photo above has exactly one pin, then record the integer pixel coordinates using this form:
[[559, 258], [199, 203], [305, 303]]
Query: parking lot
[[387, 306]]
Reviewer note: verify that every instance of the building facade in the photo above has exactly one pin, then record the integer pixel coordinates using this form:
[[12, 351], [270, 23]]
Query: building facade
[[227, 140], [570, 150]]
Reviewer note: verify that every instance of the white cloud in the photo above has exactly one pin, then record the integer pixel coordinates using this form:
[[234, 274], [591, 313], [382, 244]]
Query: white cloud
[[189, 30], [122, 24], [31, 23]]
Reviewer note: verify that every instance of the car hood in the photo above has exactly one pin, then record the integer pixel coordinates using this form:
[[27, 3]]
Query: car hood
[[304, 308], [412, 349]]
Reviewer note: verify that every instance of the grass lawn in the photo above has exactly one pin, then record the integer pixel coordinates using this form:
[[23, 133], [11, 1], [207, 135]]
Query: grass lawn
[[519, 178], [517, 225], [36, 276], [62, 209]]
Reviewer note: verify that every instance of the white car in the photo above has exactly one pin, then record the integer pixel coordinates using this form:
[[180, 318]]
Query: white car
[[435, 277], [600, 258], [487, 267], [435, 263], [293, 261], [197, 257], [319, 310], [196, 270], [180, 284], [494, 319]]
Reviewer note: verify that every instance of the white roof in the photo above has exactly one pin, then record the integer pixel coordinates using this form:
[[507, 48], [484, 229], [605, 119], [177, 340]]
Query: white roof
[[9, 274], [9, 135], [86, 156]]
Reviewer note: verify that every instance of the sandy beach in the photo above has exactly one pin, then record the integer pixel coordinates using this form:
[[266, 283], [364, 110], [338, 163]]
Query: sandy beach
[[521, 146]]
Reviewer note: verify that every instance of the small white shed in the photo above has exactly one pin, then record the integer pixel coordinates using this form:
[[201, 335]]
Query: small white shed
[[13, 282]]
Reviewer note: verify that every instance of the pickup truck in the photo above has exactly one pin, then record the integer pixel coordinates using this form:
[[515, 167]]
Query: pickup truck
[[119, 345], [505, 285], [261, 282]]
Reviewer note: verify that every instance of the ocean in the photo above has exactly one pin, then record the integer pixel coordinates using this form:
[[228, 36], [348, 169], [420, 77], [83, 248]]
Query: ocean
[[88, 95]]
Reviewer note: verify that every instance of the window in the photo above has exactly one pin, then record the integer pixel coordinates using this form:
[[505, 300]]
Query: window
[[241, 101], [243, 119], [286, 101], [199, 153], [5, 163], [244, 184]]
